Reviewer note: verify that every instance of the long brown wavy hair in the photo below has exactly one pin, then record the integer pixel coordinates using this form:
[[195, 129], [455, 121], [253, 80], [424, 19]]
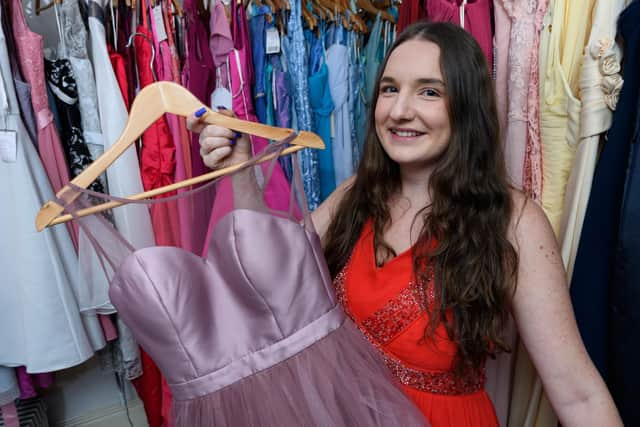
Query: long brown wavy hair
[[473, 263]]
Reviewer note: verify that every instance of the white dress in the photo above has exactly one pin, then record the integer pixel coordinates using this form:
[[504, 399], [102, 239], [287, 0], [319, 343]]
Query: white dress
[[600, 83], [132, 221], [74, 47], [41, 326]]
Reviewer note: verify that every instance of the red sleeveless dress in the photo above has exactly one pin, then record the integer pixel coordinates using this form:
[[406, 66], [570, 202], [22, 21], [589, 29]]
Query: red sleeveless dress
[[386, 305]]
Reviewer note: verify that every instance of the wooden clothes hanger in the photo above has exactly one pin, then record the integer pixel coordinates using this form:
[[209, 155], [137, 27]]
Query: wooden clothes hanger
[[177, 7], [43, 8], [367, 6], [152, 103], [309, 18]]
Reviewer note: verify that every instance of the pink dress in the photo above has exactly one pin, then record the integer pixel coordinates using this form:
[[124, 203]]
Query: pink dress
[[198, 75], [522, 63], [532, 169], [501, 60], [241, 70], [30, 56], [475, 16]]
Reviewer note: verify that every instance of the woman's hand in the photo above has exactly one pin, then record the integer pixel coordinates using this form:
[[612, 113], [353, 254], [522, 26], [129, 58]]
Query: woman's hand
[[219, 146]]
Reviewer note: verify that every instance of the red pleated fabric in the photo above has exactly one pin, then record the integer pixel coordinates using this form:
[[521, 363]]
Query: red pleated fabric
[[157, 155], [157, 169]]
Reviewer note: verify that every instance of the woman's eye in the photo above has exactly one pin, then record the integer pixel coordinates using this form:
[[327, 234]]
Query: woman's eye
[[430, 92], [388, 89]]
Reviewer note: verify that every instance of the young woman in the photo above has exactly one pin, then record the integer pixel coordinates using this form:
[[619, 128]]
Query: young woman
[[432, 250]]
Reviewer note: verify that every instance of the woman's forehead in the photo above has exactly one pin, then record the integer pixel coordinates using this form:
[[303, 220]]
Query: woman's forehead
[[414, 59]]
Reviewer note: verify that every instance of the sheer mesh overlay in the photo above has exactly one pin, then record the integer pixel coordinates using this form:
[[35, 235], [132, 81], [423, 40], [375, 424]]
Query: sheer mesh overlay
[[249, 333]]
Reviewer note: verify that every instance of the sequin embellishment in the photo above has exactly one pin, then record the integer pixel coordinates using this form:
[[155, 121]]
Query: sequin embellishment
[[389, 321]]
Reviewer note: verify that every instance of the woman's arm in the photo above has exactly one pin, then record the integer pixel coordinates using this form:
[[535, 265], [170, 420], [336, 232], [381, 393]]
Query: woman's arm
[[543, 313]]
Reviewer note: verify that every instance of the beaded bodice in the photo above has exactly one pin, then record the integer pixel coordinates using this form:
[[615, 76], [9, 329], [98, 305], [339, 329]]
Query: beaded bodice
[[394, 322]]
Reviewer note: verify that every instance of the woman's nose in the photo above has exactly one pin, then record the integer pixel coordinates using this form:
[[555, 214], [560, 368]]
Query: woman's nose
[[402, 108]]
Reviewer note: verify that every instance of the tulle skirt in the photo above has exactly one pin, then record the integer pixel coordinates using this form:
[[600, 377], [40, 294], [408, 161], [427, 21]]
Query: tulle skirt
[[338, 381]]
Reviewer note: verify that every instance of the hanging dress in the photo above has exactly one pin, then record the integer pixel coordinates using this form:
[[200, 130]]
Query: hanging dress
[[198, 75], [23, 89], [411, 11], [296, 53], [342, 147], [241, 70], [169, 69], [259, 57], [603, 288], [291, 358], [62, 83], [29, 47], [523, 31], [123, 176], [625, 327], [560, 58], [42, 327], [372, 59], [157, 168], [600, 84], [532, 179], [157, 154], [322, 107], [74, 48], [472, 15], [385, 304]]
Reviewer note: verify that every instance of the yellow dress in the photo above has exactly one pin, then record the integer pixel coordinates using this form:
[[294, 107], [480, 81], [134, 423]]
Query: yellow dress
[[562, 45], [563, 38]]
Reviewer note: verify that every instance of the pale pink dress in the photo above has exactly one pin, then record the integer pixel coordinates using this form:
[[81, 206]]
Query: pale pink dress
[[240, 66], [30, 56]]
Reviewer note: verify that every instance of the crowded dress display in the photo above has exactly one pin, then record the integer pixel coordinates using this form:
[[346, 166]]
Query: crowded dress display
[[385, 303], [250, 334]]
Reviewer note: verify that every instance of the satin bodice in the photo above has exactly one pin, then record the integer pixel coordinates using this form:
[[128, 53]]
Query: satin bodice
[[260, 295]]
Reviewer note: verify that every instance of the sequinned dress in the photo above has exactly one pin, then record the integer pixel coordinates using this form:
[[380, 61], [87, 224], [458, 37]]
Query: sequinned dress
[[385, 303]]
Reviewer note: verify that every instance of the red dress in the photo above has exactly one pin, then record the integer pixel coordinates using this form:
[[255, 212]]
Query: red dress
[[386, 305]]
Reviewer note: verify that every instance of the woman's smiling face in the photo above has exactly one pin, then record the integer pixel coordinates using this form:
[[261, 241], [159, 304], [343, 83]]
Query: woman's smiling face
[[411, 116]]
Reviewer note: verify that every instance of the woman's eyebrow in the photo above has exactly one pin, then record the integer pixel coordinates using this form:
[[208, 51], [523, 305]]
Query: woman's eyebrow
[[430, 81], [420, 81]]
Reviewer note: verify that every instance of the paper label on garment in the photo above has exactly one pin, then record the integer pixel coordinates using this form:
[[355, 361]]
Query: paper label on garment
[[8, 146], [161, 33], [221, 97], [272, 40]]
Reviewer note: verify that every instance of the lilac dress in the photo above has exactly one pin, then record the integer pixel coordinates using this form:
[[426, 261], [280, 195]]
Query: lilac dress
[[251, 333]]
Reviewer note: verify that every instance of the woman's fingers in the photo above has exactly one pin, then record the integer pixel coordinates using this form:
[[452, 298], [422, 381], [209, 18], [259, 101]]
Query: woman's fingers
[[196, 123], [215, 131], [217, 143], [215, 159]]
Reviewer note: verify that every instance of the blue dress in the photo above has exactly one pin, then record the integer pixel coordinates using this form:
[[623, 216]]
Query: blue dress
[[296, 53]]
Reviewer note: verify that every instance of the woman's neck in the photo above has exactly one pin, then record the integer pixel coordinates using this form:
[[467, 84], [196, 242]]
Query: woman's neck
[[415, 186]]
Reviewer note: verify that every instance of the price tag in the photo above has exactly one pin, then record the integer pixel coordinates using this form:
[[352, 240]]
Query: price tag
[[8, 146], [160, 30], [221, 97], [273, 40]]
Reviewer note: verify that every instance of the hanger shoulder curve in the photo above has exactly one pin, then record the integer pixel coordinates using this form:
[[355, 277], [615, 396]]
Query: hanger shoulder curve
[[150, 104]]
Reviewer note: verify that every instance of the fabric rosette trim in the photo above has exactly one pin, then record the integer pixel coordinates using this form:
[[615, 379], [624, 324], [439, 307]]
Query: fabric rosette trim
[[607, 53]]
